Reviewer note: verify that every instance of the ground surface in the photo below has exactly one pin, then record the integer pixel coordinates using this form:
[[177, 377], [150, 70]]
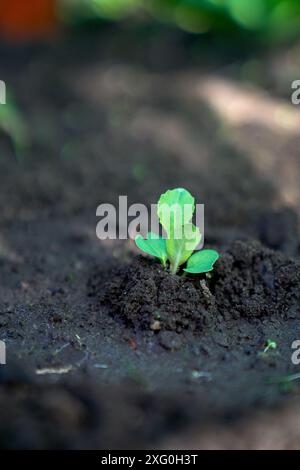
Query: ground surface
[[85, 365]]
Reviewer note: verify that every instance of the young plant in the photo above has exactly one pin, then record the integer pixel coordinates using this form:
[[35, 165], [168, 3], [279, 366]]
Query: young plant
[[270, 346], [285, 382], [175, 210]]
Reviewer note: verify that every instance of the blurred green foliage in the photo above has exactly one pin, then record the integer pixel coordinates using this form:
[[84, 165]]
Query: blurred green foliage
[[13, 124], [271, 19], [76, 10]]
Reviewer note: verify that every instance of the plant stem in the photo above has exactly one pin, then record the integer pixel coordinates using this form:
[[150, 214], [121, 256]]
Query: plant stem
[[174, 268]]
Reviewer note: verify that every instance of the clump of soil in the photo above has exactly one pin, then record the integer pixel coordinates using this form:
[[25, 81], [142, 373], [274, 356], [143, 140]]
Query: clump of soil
[[252, 281], [146, 296], [248, 281]]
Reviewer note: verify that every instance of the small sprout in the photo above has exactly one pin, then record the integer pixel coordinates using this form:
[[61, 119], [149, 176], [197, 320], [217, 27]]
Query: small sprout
[[270, 345], [175, 211], [286, 382], [290, 378]]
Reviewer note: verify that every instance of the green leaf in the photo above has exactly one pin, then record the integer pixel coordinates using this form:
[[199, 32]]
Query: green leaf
[[175, 208], [202, 261], [153, 245], [14, 124], [180, 246]]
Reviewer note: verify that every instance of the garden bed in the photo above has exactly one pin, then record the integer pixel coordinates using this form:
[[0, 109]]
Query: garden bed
[[105, 349]]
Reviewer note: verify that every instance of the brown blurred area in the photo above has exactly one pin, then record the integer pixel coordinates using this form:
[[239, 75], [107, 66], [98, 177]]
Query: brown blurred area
[[25, 20]]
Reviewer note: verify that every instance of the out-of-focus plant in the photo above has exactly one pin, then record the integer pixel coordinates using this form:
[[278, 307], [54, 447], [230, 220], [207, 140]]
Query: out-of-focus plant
[[269, 19], [13, 124], [75, 10], [285, 382]]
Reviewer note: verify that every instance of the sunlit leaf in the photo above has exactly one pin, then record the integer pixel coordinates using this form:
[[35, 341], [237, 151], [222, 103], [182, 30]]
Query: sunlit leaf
[[153, 245], [175, 208], [202, 261]]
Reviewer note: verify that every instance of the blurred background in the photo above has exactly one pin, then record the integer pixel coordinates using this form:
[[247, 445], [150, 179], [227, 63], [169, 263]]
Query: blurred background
[[271, 20], [103, 96]]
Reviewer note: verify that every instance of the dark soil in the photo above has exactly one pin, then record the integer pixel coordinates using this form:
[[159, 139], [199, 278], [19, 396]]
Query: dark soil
[[249, 281], [105, 349]]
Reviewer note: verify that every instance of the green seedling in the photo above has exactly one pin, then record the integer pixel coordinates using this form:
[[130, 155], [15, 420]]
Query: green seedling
[[175, 211], [286, 382], [270, 346]]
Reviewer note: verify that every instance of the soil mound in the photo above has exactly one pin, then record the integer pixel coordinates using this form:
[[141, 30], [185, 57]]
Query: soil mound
[[248, 281]]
